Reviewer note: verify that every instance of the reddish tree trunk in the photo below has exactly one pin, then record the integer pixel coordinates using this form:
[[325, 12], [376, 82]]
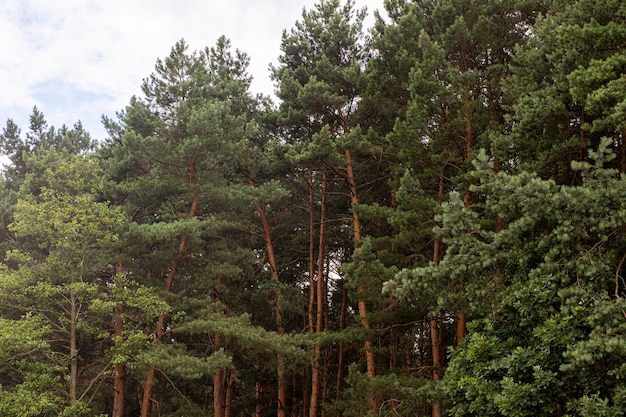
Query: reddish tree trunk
[[229, 394], [267, 234], [356, 224], [218, 386], [321, 304], [342, 350], [435, 337], [461, 327], [146, 401], [218, 393]]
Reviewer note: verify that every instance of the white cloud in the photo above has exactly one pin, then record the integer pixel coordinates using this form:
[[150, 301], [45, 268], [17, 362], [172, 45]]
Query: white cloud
[[79, 59]]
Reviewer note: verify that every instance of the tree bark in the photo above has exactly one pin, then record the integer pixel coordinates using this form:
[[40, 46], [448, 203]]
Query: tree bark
[[146, 401], [267, 234], [321, 304], [356, 223], [362, 305], [229, 394], [223, 383], [435, 337], [461, 327], [342, 349]]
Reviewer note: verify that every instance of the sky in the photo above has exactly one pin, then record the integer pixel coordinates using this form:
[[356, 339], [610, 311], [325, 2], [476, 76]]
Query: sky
[[81, 59]]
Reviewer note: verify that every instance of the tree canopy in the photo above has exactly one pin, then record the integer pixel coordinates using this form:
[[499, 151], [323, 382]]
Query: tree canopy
[[429, 220]]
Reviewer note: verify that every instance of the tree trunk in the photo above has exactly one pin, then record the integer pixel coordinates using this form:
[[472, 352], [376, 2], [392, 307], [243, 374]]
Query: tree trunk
[[461, 327], [169, 282], [229, 394], [321, 303], [160, 331], [341, 372], [119, 378], [356, 223], [325, 384], [435, 338], [258, 395], [282, 386], [218, 387], [223, 383]]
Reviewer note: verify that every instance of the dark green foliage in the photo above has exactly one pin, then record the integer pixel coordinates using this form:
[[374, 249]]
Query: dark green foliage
[[548, 286], [564, 87]]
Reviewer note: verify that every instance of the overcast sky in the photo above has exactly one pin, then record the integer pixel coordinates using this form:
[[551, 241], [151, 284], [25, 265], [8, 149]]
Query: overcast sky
[[80, 59]]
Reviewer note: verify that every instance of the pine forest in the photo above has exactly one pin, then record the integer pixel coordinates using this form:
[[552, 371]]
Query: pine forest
[[428, 219]]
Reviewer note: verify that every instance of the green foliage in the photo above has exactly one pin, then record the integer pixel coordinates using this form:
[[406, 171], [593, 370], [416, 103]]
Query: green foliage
[[547, 284], [254, 339], [29, 381], [566, 87], [178, 217], [397, 394]]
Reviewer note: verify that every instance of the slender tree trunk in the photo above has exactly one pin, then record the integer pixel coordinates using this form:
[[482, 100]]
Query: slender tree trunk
[[146, 401], [119, 379], [160, 330], [218, 393], [147, 391], [315, 381], [325, 382], [258, 395], [282, 386], [461, 327], [356, 223], [341, 371], [321, 303], [229, 394], [435, 337], [218, 386], [461, 320]]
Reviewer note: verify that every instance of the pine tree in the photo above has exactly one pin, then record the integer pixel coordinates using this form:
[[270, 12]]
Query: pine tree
[[321, 82], [565, 87]]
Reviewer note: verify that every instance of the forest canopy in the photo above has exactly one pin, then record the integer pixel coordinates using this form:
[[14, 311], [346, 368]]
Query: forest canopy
[[429, 221]]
